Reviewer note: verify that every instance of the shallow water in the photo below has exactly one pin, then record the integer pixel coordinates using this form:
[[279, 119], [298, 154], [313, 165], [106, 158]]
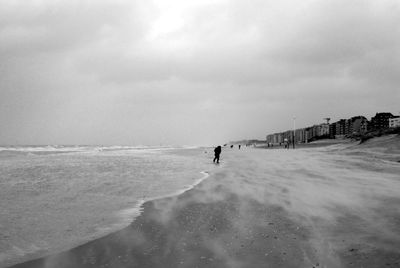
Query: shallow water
[[52, 198]]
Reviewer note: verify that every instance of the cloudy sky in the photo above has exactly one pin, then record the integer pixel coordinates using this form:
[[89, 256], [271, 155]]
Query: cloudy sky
[[191, 72]]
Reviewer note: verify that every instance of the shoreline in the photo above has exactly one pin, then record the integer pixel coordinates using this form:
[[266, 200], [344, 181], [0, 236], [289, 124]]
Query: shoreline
[[47, 212], [126, 217], [183, 227], [251, 214]]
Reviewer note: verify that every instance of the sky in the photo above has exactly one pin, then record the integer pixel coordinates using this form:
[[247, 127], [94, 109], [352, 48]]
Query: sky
[[199, 72]]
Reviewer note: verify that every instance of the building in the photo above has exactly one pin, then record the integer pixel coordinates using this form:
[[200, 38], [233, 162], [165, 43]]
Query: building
[[288, 135], [347, 126], [394, 122], [380, 121], [357, 125], [309, 134], [340, 128], [324, 130], [332, 130], [275, 138], [300, 136]]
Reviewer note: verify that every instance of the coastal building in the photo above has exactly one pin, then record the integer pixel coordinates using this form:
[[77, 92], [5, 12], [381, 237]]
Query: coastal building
[[275, 138], [332, 130], [324, 129], [288, 135], [315, 131], [269, 138], [357, 125], [300, 136], [380, 121], [279, 137], [347, 126], [394, 122], [311, 133], [340, 128]]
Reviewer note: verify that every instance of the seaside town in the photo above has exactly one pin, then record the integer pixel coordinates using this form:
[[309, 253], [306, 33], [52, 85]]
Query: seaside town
[[354, 127]]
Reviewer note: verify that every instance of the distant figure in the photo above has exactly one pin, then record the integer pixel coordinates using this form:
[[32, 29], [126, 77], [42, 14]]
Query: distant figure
[[240, 146], [217, 152], [232, 146]]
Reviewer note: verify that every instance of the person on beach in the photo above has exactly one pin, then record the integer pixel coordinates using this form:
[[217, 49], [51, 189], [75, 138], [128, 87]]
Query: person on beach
[[217, 152]]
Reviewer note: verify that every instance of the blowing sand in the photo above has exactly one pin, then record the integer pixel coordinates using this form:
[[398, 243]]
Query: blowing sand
[[321, 207]]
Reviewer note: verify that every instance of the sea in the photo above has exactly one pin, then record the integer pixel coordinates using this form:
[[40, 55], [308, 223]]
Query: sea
[[53, 198]]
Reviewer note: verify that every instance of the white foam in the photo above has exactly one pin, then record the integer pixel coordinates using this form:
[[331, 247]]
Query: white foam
[[187, 188], [127, 216], [124, 218]]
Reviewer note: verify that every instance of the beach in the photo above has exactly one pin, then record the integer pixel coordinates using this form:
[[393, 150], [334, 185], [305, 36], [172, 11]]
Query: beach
[[333, 206], [199, 134]]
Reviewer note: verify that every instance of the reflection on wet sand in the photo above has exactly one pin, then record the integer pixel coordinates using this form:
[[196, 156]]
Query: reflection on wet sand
[[263, 209]]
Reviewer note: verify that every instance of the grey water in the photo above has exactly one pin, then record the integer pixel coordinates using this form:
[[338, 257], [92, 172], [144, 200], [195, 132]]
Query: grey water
[[55, 197]]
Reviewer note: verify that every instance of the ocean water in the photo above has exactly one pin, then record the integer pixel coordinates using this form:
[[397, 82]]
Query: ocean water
[[55, 197]]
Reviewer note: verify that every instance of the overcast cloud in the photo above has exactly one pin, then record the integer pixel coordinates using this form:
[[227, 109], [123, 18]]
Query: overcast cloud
[[191, 72]]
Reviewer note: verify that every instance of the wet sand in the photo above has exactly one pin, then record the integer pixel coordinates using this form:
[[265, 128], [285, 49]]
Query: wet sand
[[263, 208]]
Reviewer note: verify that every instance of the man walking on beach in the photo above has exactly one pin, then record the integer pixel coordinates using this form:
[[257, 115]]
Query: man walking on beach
[[217, 152]]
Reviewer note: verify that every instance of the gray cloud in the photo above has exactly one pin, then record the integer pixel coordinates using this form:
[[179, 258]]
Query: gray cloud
[[150, 71]]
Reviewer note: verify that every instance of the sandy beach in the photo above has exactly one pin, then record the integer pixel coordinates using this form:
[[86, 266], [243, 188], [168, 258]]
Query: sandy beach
[[320, 207], [112, 114]]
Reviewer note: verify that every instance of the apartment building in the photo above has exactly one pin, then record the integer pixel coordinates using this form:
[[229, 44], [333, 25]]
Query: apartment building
[[394, 122], [380, 121]]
